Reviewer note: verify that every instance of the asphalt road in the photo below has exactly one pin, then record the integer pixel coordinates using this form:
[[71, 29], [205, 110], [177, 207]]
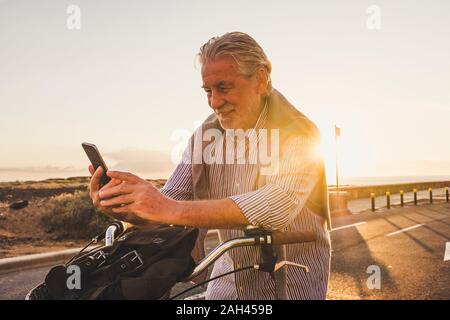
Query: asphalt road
[[387, 254], [407, 245]]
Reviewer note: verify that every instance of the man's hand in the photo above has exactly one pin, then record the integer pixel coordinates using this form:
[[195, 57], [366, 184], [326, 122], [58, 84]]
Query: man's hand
[[134, 200], [131, 199], [94, 188]]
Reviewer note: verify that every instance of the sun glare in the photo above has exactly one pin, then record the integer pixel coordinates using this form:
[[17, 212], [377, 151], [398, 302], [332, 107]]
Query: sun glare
[[351, 149]]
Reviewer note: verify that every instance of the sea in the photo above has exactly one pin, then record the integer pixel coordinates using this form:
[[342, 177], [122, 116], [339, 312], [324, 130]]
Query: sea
[[350, 181], [373, 181]]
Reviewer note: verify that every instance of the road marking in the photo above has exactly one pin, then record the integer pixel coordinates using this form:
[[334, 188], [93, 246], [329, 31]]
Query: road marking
[[403, 230], [447, 252], [349, 226]]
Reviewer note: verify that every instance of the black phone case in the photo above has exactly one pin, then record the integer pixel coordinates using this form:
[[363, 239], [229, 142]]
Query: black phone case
[[97, 161]]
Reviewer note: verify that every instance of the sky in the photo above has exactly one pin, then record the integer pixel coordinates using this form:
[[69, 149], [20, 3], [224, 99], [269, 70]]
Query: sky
[[126, 80]]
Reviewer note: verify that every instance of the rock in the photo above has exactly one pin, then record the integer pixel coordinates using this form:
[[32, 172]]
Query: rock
[[18, 204]]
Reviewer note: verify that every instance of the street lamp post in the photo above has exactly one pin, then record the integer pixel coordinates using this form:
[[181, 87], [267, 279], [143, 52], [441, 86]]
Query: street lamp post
[[337, 133]]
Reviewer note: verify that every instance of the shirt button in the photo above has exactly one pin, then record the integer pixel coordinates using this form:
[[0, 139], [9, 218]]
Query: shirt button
[[238, 265], [241, 289]]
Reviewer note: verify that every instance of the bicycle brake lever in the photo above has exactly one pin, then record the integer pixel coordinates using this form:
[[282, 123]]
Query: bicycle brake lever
[[283, 263]]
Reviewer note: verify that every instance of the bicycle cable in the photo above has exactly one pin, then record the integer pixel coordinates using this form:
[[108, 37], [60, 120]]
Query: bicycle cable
[[211, 279], [81, 251]]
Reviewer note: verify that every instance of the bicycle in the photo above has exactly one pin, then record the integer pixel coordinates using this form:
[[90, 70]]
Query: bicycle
[[273, 261]]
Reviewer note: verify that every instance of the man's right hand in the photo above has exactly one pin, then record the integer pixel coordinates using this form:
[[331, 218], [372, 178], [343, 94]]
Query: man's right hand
[[94, 187]]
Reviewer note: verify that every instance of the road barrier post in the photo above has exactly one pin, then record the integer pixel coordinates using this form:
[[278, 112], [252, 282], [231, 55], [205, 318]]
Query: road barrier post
[[388, 199], [372, 198], [401, 198]]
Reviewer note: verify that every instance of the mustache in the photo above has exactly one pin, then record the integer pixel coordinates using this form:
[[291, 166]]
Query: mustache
[[225, 108]]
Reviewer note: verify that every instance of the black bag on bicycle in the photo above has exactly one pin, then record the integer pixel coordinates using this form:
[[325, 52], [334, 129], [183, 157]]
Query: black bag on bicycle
[[140, 264]]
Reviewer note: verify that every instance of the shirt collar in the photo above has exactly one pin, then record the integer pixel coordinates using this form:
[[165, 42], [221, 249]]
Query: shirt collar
[[262, 116]]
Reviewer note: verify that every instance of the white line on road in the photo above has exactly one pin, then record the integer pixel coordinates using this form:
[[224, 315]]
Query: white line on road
[[447, 252], [403, 230], [349, 226]]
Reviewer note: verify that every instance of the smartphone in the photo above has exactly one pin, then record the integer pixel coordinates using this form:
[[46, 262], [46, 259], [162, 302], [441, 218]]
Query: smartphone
[[96, 160]]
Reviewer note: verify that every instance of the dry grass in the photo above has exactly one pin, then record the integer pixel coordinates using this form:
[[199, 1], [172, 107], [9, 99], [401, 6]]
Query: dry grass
[[73, 182]]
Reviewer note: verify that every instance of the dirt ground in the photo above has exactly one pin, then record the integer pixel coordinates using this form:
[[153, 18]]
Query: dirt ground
[[21, 231]]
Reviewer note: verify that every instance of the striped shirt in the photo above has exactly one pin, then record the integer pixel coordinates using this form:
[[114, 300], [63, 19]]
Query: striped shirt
[[278, 205]]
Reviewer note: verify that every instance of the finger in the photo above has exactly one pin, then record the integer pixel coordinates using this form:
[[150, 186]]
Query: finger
[[95, 180], [111, 183], [126, 176], [125, 213], [91, 169], [120, 189], [122, 209], [124, 199]]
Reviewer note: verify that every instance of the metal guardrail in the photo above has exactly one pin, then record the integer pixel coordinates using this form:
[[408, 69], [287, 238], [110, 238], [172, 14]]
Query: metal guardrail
[[402, 202], [359, 192], [339, 200]]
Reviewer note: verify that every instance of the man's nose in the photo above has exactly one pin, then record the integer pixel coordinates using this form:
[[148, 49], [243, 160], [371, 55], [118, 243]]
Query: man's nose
[[216, 101]]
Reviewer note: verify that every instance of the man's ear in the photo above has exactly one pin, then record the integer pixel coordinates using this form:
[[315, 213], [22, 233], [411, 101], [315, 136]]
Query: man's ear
[[263, 81]]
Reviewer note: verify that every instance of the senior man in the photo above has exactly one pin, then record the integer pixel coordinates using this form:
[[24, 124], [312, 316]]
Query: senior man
[[226, 182]]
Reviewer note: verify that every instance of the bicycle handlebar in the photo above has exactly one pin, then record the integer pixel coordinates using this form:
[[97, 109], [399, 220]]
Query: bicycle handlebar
[[276, 238], [280, 238]]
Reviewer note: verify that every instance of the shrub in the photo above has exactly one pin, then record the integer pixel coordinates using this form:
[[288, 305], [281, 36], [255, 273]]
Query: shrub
[[72, 216]]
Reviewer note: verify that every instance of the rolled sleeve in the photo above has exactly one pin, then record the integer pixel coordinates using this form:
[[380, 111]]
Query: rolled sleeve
[[282, 198]]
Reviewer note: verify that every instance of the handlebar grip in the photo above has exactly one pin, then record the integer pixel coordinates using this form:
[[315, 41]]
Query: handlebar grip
[[280, 238]]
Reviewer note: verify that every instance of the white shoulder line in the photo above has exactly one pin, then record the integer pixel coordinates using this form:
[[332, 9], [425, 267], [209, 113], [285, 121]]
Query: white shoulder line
[[404, 229], [348, 226]]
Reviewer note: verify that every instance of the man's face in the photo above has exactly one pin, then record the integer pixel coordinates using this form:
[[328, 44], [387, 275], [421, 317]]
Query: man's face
[[235, 99]]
